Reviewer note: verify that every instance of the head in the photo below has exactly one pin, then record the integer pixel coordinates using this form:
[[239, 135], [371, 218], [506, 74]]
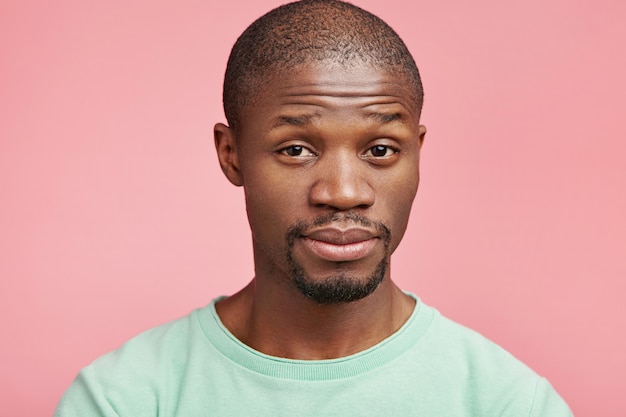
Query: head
[[312, 31], [323, 102]]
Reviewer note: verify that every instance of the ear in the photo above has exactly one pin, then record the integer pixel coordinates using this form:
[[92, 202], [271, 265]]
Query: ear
[[226, 147], [422, 135]]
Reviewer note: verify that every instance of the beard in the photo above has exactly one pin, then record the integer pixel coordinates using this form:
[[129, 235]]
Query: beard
[[341, 287]]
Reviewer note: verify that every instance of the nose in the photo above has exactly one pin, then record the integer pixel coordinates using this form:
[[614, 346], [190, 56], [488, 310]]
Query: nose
[[342, 183]]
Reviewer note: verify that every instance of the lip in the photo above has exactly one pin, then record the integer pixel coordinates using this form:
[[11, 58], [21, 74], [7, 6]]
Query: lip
[[336, 245]]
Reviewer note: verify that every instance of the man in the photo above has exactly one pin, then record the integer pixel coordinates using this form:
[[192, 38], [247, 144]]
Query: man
[[323, 102]]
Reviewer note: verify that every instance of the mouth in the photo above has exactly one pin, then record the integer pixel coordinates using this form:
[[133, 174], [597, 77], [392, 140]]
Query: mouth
[[336, 245]]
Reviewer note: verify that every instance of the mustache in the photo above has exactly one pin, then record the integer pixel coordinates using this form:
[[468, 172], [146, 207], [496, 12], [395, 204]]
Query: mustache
[[297, 229]]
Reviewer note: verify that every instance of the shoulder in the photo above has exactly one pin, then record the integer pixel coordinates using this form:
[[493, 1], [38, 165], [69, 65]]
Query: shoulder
[[151, 349], [490, 378], [140, 369], [471, 350]]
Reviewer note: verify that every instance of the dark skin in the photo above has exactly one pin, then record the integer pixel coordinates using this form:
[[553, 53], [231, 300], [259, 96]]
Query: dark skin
[[322, 140]]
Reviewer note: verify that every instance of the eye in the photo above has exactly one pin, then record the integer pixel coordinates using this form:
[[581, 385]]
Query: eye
[[380, 151], [297, 151]]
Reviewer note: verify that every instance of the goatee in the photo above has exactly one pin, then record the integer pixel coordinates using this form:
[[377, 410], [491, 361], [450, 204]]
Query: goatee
[[341, 287]]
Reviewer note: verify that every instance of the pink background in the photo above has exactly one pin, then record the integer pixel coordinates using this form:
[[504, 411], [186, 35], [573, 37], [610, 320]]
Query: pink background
[[114, 216]]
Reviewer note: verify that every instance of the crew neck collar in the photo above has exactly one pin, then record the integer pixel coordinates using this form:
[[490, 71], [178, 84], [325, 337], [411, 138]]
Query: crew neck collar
[[327, 369]]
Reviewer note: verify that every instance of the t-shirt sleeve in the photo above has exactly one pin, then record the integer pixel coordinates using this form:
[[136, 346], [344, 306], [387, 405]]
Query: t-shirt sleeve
[[84, 399], [547, 403], [105, 389]]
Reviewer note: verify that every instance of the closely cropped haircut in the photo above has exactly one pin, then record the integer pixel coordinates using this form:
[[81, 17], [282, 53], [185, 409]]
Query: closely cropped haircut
[[310, 31]]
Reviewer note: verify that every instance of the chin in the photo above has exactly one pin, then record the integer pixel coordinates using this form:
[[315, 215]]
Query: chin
[[340, 288]]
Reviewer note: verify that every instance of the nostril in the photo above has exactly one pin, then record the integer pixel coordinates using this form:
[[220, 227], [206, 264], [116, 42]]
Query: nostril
[[342, 195]]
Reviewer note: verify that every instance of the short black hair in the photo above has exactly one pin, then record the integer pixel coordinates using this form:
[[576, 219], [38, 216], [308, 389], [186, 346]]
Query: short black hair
[[307, 31]]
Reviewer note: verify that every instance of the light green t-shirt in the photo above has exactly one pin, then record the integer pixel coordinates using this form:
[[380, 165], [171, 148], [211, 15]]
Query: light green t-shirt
[[194, 367]]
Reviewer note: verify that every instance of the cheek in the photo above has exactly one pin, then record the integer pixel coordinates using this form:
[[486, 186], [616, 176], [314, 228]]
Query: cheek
[[271, 204], [399, 202], [263, 212]]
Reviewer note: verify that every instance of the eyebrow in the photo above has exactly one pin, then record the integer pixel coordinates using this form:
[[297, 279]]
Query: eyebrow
[[299, 120], [384, 118]]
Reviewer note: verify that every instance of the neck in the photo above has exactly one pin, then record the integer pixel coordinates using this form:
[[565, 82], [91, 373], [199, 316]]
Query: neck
[[282, 322]]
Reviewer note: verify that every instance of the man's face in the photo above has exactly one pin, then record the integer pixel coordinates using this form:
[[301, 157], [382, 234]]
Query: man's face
[[329, 160]]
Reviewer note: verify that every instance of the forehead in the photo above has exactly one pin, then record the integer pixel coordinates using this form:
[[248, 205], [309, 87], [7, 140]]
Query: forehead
[[331, 81]]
